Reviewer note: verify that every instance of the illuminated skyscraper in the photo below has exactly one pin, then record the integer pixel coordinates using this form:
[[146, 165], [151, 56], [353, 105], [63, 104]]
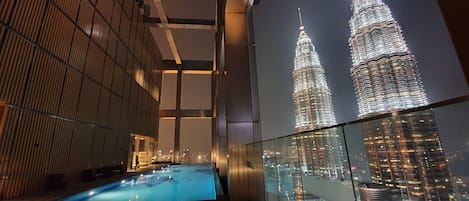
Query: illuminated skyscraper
[[311, 95], [404, 151], [321, 152]]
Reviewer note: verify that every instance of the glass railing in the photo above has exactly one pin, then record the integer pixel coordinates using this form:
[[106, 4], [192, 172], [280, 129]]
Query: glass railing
[[417, 154]]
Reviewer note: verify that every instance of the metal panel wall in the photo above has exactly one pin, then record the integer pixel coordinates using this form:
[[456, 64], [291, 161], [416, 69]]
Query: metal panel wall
[[242, 110], [68, 77]]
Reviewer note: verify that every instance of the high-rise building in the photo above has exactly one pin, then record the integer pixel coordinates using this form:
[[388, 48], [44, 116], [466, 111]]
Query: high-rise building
[[320, 151], [404, 151], [311, 95]]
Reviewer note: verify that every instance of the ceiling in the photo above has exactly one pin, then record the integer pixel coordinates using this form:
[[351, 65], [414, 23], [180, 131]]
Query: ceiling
[[183, 29]]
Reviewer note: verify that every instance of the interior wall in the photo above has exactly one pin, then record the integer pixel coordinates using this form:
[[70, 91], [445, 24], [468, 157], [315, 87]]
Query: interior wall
[[77, 77]]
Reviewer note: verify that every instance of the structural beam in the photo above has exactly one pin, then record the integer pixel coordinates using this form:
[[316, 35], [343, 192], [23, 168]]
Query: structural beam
[[176, 23], [168, 33], [188, 65], [186, 113]]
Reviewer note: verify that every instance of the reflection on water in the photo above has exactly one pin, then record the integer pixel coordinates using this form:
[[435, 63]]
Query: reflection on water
[[171, 183]]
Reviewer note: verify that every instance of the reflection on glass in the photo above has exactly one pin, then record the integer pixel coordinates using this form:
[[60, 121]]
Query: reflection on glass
[[397, 157], [405, 154]]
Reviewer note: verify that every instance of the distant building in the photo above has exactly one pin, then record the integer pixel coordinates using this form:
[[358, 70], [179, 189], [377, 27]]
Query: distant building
[[321, 151], [404, 151]]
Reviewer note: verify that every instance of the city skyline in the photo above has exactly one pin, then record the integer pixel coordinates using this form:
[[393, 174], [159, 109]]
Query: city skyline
[[328, 24]]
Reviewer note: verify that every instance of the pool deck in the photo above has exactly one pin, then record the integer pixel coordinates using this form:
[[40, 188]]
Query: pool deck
[[81, 187]]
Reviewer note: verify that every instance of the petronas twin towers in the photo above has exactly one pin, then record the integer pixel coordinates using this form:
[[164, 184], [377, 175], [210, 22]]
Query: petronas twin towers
[[321, 152], [404, 152]]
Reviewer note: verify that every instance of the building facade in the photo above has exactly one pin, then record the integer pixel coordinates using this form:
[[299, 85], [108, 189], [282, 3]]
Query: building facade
[[404, 151], [321, 152]]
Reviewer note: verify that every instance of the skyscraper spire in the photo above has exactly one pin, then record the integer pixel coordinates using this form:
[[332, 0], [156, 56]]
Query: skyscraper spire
[[301, 20], [321, 151]]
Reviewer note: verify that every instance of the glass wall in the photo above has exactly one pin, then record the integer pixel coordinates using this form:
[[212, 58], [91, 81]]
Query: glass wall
[[409, 155]]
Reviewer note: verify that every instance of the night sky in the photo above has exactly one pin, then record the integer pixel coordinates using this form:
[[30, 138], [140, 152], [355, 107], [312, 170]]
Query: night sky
[[326, 22]]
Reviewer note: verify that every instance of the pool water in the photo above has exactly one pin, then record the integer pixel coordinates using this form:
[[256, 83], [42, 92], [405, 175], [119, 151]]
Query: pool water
[[173, 183]]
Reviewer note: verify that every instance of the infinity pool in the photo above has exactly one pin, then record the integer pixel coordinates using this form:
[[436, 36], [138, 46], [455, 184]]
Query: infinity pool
[[173, 183]]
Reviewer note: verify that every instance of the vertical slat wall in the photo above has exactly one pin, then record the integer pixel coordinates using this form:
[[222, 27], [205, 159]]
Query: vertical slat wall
[[68, 76]]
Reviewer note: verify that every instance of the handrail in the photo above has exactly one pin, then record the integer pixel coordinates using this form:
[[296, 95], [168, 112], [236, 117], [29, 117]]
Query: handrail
[[380, 116]]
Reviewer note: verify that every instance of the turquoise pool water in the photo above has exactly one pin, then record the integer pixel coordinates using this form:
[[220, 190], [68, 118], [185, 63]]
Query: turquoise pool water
[[173, 183]]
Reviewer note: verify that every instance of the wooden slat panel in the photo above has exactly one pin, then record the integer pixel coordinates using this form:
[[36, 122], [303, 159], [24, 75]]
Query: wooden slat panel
[[69, 7], [118, 80], [136, 13], [45, 83], [127, 84], [56, 35], [2, 31], [120, 2], [132, 115], [78, 50], [60, 147], [6, 7], [108, 72], [15, 58], [133, 93], [141, 98], [116, 17], [85, 17], [34, 144], [103, 107], [140, 25], [125, 29], [145, 60], [128, 7], [112, 44], [100, 31], [114, 111], [70, 94], [105, 8], [88, 103], [121, 55], [94, 62], [97, 156], [138, 50], [132, 38], [28, 162], [123, 116], [28, 25], [93, 2], [130, 64], [110, 146], [122, 146], [80, 152], [139, 123], [6, 139]]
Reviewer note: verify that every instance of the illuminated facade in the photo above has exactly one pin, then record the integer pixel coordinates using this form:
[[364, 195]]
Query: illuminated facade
[[321, 151], [384, 73], [404, 151]]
